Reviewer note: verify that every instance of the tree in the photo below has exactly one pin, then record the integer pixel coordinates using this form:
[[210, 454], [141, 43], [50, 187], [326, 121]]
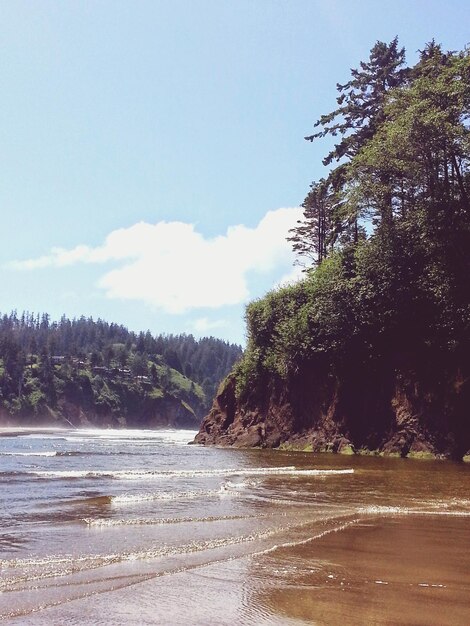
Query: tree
[[139, 364], [361, 100], [108, 354], [311, 236], [173, 360], [418, 159], [121, 354], [95, 358], [23, 337], [154, 374], [402, 290], [360, 113]]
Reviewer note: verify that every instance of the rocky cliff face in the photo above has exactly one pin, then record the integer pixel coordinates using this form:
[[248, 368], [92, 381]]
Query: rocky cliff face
[[404, 411]]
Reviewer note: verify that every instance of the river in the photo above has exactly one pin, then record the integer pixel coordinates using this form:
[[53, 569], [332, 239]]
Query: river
[[136, 527]]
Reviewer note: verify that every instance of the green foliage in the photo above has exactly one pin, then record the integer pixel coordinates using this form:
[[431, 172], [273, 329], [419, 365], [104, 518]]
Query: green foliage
[[36, 400], [139, 364], [361, 100], [103, 367], [404, 288], [156, 394], [179, 383], [107, 400], [292, 324]]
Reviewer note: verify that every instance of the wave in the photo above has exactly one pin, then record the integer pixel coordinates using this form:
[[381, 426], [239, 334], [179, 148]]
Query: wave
[[60, 453], [229, 484], [59, 474], [131, 498], [151, 521], [70, 563], [150, 474], [77, 563], [133, 433], [385, 511], [17, 474], [48, 453], [140, 437]]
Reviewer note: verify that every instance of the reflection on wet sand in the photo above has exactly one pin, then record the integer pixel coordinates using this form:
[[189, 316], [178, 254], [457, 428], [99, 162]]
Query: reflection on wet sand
[[397, 570]]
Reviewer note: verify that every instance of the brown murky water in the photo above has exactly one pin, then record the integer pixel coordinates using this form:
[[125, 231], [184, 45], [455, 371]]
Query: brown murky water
[[122, 527]]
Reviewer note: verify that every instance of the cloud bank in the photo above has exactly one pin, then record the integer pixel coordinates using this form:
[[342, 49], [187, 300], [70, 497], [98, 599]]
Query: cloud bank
[[173, 267]]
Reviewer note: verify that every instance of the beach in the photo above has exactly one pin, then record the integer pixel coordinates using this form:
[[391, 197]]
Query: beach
[[119, 527]]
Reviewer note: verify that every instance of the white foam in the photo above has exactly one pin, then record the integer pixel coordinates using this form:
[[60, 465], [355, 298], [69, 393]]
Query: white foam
[[194, 473], [399, 510], [130, 435], [383, 510], [240, 485], [320, 535], [72, 474], [48, 453], [130, 498], [152, 521]]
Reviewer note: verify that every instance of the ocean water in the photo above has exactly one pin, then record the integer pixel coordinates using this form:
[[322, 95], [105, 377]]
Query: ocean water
[[137, 527]]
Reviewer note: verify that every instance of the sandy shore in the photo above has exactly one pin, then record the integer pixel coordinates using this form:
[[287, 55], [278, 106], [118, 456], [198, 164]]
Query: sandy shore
[[404, 570]]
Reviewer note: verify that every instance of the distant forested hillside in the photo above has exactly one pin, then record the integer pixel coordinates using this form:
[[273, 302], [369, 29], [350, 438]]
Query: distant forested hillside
[[86, 370]]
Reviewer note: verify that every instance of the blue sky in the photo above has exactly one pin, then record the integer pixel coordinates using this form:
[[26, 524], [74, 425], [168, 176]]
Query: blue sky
[[152, 153]]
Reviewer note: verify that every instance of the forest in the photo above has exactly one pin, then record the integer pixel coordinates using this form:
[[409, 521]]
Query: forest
[[371, 348], [95, 370]]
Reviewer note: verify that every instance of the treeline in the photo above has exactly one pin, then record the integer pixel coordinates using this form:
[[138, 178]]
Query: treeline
[[39, 356], [385, 235]]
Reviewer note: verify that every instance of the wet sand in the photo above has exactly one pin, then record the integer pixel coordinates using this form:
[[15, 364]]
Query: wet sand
[[402, 571]]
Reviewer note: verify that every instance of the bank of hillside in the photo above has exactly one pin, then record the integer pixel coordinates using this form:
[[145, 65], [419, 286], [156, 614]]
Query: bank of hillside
[[83, 372], [371, 351]]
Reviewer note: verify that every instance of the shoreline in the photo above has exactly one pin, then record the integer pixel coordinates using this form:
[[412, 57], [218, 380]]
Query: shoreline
[[345, 452]]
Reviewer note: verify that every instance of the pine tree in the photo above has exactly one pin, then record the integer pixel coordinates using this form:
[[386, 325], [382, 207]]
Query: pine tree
[[361, 100]]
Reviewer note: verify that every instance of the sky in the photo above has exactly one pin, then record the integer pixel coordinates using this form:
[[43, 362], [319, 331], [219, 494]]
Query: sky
[[152, 154]]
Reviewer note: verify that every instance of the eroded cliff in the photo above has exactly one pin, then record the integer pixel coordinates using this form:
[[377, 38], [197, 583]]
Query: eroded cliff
[[402, 412]]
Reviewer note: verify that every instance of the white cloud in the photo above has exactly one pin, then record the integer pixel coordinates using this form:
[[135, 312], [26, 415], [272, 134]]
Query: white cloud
[[171, 266], [202, 325]]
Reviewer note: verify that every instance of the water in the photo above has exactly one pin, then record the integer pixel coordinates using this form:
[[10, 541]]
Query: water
[[137, 527]]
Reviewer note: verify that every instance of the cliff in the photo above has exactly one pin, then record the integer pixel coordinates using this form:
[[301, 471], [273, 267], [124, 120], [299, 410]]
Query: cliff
[[370, 352], [405, 413]]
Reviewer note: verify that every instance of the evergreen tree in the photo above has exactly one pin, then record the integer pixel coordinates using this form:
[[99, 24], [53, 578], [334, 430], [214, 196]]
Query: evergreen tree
[[361, 100], [30, 379], [313, 235], [360, 113]]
